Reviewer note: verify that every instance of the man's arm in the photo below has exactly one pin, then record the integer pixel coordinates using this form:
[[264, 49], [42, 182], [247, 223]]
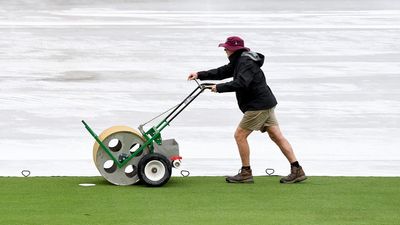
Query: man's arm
[[242, 81], [219, 73]]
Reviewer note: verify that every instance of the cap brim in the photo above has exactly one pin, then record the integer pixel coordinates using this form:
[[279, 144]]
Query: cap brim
[[232, 48]]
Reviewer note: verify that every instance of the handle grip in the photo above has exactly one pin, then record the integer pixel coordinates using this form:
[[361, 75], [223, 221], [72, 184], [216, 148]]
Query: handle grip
[[207, 85]]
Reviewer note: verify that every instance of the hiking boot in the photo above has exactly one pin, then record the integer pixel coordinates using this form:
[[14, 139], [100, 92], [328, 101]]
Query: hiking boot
[[296, 175], [244, 176]]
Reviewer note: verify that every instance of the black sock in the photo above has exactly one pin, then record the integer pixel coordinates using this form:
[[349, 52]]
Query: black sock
[[295, 164], [245, 167]]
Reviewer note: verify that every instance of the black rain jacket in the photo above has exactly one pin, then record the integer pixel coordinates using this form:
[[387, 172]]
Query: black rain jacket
[[252, 91]]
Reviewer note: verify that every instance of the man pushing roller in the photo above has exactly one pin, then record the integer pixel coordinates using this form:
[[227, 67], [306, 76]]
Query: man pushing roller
[[255, 100]]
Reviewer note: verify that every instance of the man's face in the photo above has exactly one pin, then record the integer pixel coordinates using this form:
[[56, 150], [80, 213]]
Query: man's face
[[228, 53]]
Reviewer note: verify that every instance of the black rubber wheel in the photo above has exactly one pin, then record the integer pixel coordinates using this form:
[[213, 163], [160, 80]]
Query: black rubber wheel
[[154, 169]]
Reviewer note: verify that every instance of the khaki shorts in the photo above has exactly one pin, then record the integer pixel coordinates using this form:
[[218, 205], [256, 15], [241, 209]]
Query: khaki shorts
[[258, 120]]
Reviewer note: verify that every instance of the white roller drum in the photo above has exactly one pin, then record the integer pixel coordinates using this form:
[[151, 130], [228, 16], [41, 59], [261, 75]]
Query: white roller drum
[[122, 141]]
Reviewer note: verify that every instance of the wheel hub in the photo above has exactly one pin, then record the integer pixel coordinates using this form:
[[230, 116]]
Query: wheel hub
[[155, 170]]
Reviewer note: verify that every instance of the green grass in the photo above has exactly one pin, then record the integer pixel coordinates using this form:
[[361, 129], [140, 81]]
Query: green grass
[[200, 200]]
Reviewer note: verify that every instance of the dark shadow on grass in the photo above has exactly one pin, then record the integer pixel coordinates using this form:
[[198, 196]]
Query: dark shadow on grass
[[172, 183]]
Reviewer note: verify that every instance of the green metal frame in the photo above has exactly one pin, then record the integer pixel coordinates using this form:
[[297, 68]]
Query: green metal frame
[[154, 133]]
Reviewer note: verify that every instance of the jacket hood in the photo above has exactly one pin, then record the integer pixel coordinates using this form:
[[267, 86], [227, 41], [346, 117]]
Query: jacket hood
[[256, 57], [236, 55]]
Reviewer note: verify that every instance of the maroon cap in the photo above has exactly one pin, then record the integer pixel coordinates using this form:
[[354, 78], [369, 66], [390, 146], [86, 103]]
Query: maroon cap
[[233, 43]]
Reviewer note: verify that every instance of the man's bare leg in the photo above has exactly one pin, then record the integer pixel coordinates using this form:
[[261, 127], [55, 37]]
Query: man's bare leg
[[276, 135], [296, 171], [243, 146], [245, 175]]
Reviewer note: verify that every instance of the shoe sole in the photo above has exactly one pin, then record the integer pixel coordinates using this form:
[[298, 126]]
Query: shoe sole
[[299, 179], [247, 181]]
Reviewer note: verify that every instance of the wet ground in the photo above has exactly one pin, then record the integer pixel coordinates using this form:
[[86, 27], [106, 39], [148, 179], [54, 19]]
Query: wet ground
[[334, 68]]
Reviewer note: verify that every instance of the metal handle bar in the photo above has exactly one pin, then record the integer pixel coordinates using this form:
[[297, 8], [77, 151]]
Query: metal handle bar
[[192, 96], [186, 102], [176, 110], [207, 85], [204, 85]]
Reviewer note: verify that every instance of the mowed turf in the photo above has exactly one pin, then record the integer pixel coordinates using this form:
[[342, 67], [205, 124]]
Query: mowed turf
[[201, 200]]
